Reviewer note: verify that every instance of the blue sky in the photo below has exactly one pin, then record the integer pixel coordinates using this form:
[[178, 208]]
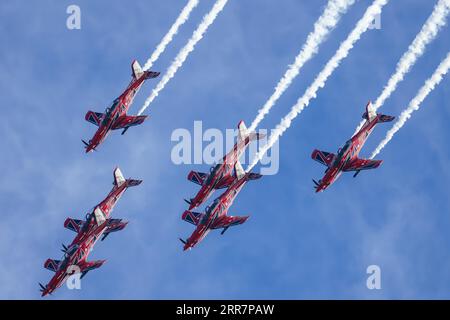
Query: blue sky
[[297, 244]]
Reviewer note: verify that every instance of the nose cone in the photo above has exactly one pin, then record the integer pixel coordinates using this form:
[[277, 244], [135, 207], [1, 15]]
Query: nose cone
[[188, 245], [321, 187], [91, 147]]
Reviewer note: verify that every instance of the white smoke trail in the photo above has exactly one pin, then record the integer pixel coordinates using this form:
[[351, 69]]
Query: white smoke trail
[[182, 18], [414, 104], [322, 27], [428, 33], [319, 82], [198, 34]]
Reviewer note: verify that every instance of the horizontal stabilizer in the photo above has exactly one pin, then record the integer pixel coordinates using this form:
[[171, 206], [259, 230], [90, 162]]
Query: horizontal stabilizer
[[254, 176], [151, 74], [385, 118], [133, 182]]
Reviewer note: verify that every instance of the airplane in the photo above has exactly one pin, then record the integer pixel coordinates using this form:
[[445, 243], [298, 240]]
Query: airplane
[[215, 216], [220, 176], [346, 158], [97, 225], [115, 116]]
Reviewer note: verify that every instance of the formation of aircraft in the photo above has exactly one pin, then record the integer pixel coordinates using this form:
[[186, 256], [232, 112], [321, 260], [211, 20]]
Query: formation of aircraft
[[227, 174], [115, 117], [216, 216], [346, 159], [220, 176], [97, 225]]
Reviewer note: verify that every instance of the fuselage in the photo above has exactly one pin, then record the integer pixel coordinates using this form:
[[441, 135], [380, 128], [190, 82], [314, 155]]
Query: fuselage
[[346, 154], [221, 172], [218, 209], [118, 108], [78, 251]]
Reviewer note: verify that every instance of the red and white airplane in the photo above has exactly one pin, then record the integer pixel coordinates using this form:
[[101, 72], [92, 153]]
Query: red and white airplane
[[221, 175], [346, 158], [115, 117], [98, 225], [215, 216]]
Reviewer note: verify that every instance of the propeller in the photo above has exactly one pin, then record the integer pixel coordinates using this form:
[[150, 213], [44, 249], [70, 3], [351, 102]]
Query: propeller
[[42, 287], [357, 172], [64, 249], [224, 229], [187, 201], [184, 241]]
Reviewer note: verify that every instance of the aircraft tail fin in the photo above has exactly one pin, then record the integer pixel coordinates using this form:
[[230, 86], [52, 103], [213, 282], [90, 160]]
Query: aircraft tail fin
[[370, 113], [118, 177], [137, 70], [244, 133], [240, 172], [120, 180]]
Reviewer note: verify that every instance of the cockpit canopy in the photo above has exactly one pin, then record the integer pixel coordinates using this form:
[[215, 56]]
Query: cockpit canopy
[[110, 109], [71, 250], [344, 149]]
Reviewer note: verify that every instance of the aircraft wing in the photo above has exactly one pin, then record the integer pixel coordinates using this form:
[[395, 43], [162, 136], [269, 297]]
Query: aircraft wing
[[87, 266], [73, 224], [225, 182], [192, 217], [325, 158], [94, 117], [124, 122], [52, 264], [113, 225], [197, 177], [362, 164], [228, 221]]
